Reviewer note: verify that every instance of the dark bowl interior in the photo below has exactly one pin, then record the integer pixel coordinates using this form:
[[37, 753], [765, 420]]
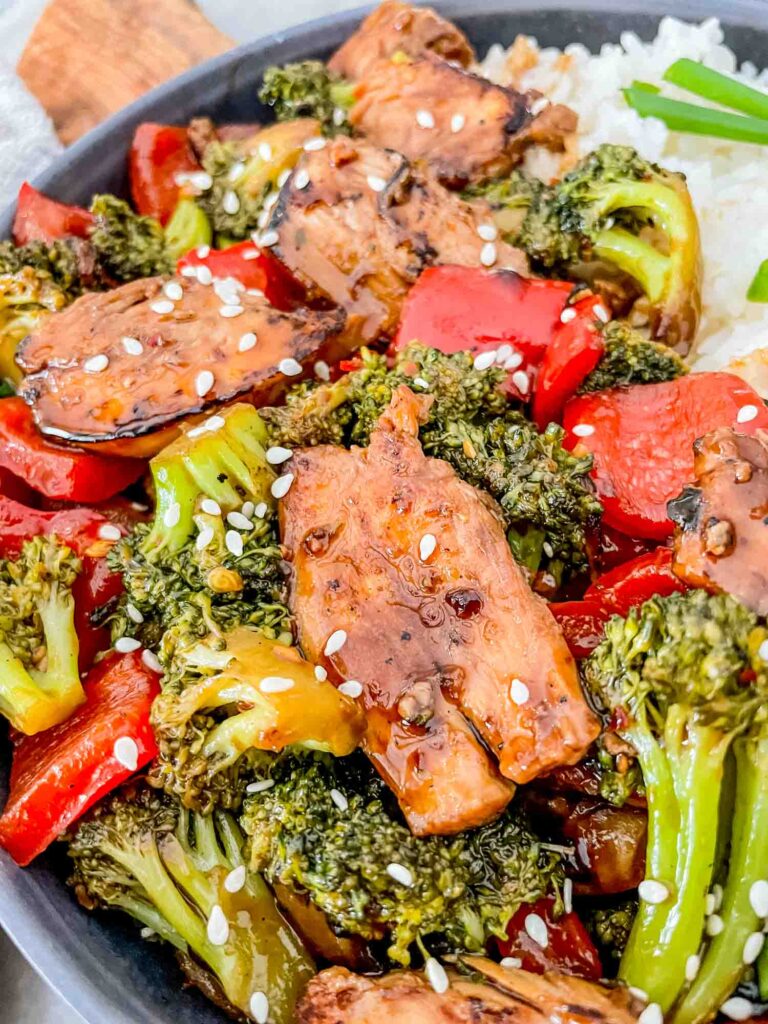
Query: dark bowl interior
[[98, 963]]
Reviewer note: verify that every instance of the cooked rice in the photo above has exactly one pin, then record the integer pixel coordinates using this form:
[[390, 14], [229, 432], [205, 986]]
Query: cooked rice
[[728, 180]]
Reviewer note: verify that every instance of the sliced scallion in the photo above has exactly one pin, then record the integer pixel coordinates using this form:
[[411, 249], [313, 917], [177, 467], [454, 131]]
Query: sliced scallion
[[758, 290], [717, 87], [695, 120]]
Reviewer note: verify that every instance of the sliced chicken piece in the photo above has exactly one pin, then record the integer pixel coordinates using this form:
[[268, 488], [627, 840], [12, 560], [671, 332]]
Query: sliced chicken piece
[[509, 997], [366, 223], [117, 366], [465, 127], [721, 541], [439, 625], [395, 27]]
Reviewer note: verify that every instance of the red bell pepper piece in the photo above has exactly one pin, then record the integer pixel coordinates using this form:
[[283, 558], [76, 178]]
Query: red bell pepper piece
[[635, 582], [611, 547], [252, 267], [58, 471], [575, 350], [158, 153], [40, 219], [569, 948], [642, 438], [58, 774], [78, 527], [457, 309], [582, 623], [95, 586]]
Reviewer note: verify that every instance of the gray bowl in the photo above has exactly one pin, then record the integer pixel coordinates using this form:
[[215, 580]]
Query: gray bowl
[[97, 963]]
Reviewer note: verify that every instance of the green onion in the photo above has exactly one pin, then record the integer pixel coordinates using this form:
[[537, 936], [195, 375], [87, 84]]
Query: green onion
[[695, 120], [645, 86], [719, 88], [758, 290]]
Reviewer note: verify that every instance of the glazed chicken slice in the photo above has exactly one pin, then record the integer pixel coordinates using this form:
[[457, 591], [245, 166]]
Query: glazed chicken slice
[[395, 27], [119, 365], [357, 224], [509, 997], [465, 127], [410, 567], [721, 541]]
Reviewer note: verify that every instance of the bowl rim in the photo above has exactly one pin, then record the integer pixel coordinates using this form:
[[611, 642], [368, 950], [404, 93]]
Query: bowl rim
[[88, 1001]]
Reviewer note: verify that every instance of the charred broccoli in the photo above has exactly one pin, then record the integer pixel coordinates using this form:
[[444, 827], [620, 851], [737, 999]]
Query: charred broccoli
[[39, 679], [629, 358], [609, 927], [183, 877], [62, 262], [27, 297], [330, 829], [308, 89], [684, 679], [127, 245]]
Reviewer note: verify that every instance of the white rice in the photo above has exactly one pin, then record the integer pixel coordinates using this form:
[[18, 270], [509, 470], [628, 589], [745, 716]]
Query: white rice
[[728, 180]]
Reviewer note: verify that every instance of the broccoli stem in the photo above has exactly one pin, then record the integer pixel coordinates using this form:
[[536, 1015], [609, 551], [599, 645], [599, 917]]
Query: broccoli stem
[[61, 678], [723, 962], [21, 700], [647, 265]]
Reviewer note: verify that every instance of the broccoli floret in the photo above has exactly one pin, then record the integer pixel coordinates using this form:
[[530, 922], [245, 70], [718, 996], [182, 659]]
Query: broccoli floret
[[183, 876], [59, 262], [27, 297], [629, 358], [610, 928], [127, 245], [330, 829], [308, 89], [683, 681], [39, 679]]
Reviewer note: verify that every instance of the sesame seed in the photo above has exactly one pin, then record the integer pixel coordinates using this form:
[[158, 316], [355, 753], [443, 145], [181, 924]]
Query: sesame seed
[[518, 692], [568, 314], [275, 684], [753, 947], [247, 342], [602, 313], [758, 891], [96, 364], [427, 546], [283, 176], [714, 925], [376, 183], [638, 993], [514, 361], [127, 645], [201, 180], [339, 116], [717, 892], [250, 254], [147, 933], [436, 975], [487, 232], [538, 105], [522, 381], [351, 688], [271, 199], [536, 928], [692, 966], [312, 145], [335, 642], [503, 352], [230, 310], [511, 963], [420, 382], [259, 1007], [236, 170], [583, 430], [204, 538], [652, 1014], [161, 307], [737, 1008], [174, 291], [484, 360], [651, 891], [400, 874], [320, 674], [547, 549], [282, 485], [457, 123], [322, 370], [235, 880], [189, 271], [268, 239], [568, 895], [218, 927], [260, 787], [290, 367], [234, 543], [203, 251], [239, 521], [488, 254], [133, 613], [265, 151], [425, 119], [339, 799], [126, 753], [204, 275], [248, 509], [172, 514], [746, 413], [108, 531], [261, 510], [151, 660], [132, 346], [277, 455], [210, 507], [203, 383], [301, 178]]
